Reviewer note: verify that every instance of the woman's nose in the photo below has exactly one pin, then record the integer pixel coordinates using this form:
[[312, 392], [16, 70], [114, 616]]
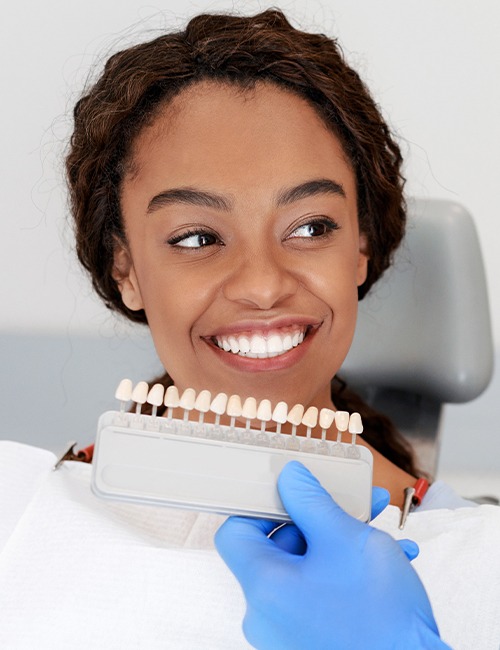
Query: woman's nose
[[260, 279]]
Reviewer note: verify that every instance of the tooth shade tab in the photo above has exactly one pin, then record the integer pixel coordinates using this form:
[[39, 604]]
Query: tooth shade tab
[[140, 393], [234, 407], [188, 399], [310, 417], [342, 420], [155, 395], [264, 412], [203, 400], [124, 390], [249, 410], [295, 415], [326, 418], [171, 397], [280, 412], [218, 405], [355, 423]]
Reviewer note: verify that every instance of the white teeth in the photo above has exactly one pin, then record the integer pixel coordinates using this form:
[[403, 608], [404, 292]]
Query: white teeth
[[244, 344], [258, 346], [274, 344], [235, 348]]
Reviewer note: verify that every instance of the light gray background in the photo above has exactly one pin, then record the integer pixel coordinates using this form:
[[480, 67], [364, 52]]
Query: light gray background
[[434, 66]]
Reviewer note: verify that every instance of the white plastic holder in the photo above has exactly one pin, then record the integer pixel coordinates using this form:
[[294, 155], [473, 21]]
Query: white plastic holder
[[212, 475]]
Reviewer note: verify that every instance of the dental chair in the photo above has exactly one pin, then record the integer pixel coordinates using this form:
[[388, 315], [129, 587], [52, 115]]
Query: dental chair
[[423, 336]]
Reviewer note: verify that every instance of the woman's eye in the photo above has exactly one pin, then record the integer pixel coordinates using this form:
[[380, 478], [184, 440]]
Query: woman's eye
[[314, 229], [193, 240]]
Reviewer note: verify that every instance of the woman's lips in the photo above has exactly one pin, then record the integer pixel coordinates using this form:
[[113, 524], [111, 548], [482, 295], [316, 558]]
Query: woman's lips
[[260, 351]]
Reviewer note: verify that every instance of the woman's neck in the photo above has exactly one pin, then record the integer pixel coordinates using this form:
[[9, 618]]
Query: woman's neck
[[389, 476]]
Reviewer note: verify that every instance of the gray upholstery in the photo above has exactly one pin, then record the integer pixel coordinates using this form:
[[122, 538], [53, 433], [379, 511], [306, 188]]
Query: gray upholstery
[[423, 335]]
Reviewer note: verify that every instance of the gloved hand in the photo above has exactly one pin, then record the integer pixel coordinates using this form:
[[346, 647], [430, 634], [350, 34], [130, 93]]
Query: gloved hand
[[353, 587], [289, 538]]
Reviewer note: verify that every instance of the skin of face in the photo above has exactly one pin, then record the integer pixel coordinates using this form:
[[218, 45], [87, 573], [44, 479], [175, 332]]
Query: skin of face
[[240, 217]]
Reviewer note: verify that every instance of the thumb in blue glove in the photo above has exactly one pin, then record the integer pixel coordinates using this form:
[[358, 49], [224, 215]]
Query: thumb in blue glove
[[353, 587]]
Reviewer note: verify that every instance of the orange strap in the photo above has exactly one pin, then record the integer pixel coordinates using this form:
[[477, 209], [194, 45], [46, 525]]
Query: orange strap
[[421, 487], [86, 454]]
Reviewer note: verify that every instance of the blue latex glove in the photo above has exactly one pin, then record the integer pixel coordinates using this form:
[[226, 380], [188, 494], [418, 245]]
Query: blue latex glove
[[289, 538], [353, 587]]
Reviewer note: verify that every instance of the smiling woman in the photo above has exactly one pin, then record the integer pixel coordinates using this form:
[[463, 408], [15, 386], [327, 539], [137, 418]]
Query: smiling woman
[[235, 187]]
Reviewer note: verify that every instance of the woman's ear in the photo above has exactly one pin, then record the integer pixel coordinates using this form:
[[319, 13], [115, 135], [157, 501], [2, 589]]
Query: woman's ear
[[126, 278], [363, 258]]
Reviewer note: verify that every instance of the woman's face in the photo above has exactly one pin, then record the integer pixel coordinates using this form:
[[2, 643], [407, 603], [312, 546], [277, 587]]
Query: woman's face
[[242, 243]]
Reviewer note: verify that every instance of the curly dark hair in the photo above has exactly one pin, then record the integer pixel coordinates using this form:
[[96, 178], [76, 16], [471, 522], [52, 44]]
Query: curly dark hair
[[139, 81]]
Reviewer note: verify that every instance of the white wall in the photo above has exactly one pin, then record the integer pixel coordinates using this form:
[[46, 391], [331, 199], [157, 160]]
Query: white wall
[[434, 66]]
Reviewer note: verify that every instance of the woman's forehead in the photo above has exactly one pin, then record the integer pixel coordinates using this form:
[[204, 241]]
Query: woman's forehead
[[211, 129]]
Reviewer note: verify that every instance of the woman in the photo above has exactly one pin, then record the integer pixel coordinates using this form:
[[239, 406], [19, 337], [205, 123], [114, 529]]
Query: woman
[[307, 108], [235, 187]]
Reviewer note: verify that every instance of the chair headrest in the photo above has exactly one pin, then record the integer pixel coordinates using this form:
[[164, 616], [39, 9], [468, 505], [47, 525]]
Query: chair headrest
[[425, 326]]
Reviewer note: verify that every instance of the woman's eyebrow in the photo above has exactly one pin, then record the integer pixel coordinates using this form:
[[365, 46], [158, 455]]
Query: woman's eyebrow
[[190, 196], [309, 188], [219, 202]]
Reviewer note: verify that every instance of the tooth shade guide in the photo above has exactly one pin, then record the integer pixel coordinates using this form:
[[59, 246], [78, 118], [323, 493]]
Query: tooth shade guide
[[203, 401], [355, 427], [140, 395], [123, 393], [218, 406], [234, 409], [294, 417], [171, 397], [186, 402], [171, 450], [310, 419], [342, 420], [326, 419], [256, 416], [264, 413], [342, 423], [249, 411], [322, 447], [279, 415], [202, 404], [171, 400], [155, 398]]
